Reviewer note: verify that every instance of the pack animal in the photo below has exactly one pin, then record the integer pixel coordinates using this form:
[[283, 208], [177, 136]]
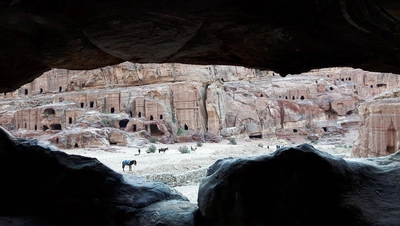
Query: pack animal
[[128, 162], [162, 150], [193, 149]]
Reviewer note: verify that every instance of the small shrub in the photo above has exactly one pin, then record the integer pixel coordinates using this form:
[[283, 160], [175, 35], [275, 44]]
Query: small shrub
[[153, 140], [180, 131], [151, 149], [199, 144], [233, 141], [173, 120], [345, 146], [350, 146], [314, 141], [260, 145], [184, 149]]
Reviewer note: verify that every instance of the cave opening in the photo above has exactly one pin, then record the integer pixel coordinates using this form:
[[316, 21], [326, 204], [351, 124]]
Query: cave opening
[[155, 131], [151, 117], [112, 110], [55, 126], [123, 123], [134, 128], [91, 104], [255, 136], [76, 145], [324, 128], [186, 127]]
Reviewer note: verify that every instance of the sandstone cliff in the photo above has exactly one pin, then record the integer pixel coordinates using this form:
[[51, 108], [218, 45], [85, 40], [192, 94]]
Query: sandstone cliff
[[126, 103]]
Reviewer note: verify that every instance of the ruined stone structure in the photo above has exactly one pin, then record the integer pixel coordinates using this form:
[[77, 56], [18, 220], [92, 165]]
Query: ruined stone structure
[[221, 101]]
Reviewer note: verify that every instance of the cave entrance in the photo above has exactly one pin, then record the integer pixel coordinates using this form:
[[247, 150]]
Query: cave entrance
[[49, 112], [134, 128], [70, 120], [55, 127], [255, 136], [155, 131], [112, 110], [45, 128], [123, 123], [151, 117], [186, 127], [391, 139], [76, 145], [324, 128], [91, 104]]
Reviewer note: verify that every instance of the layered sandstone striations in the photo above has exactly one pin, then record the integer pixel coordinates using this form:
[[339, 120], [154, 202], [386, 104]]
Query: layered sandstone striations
[[129, 103]]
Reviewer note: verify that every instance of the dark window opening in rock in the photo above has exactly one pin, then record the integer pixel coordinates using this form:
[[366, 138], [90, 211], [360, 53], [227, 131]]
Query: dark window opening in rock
[[26, 91], [261, 95], [113, 143], [273, 74], [349, 113], [140, 114], [160, 116], [222, 80], [355, 92], [82, 105], [342, 79], [372, 86], [41, 90], [49, 112], [280, 96], [331, 88], [25, 125], [134, 128], [327, 76], [286, 97], [391, 139], [35, 127], [324, 128], [91, 104], [186, 127], [154, 130], [130, 113], [57, 140], [70, 120], [302, 97], [55, 127], [316, 81], [295, 131], [381, 85], [293, 97], [45, 128], [354, 86], [76, 145], [112, 110], [123, 123], [60, 89], [349, 79], [151, 117], [259, 136]]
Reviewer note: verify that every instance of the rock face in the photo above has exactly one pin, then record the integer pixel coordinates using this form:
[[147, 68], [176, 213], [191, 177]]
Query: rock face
[[300, 186], [39, 35], [379, 126], [93, 108], [49, 187]]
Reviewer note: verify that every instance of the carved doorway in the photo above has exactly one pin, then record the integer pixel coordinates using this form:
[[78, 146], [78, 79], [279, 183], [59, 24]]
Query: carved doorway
[[391, 139]]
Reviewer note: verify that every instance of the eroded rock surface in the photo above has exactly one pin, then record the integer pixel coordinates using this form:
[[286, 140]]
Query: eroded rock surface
[[44, 186], [287, 37], [301, 186]]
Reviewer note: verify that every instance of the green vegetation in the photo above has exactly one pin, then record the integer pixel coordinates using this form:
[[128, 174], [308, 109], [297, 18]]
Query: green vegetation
[[184, 149], [314, 141], [151, 149], [180, 131], [199, 144], [153, 140], [233, 141], [260, 145]]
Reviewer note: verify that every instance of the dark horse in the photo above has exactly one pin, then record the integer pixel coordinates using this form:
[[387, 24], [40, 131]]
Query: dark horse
[[162, 149], [129, 163]]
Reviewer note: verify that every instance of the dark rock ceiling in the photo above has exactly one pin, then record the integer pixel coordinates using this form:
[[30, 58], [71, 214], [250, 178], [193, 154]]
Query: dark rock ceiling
[[286, 36]]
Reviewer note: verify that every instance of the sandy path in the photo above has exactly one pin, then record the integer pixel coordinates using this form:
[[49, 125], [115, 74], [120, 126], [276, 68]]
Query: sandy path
[[176, 163]]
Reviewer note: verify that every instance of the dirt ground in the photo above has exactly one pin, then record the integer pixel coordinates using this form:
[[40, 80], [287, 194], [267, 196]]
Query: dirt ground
[[172, 161]]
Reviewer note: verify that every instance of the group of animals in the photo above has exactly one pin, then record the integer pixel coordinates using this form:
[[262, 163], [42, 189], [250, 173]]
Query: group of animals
[[130, 162]]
